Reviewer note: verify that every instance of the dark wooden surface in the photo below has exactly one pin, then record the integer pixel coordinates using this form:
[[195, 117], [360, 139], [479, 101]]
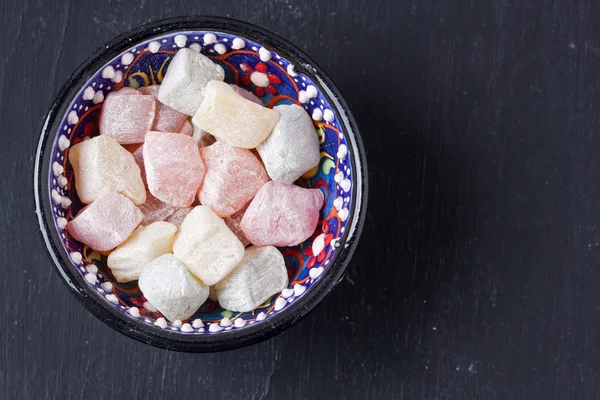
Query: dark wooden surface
[[478, 272]]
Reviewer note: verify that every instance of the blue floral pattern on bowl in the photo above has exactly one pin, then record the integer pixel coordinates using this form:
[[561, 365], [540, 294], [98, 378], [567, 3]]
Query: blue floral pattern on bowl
[[275, 80]]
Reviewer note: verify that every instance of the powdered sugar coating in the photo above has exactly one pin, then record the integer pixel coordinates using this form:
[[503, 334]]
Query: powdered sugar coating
[[293, 146], [282, 215], [106, 223], [101, 165], [170, 288], [144, 245], [174, 169], [259, 275], [206, 246], [233, 176], [185, 82], [127, 118], [232, 118]]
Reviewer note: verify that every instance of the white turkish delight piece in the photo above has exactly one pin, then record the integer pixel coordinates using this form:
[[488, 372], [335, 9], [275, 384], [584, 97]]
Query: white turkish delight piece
[[232, 118], [144, 245], [260, 275], [169, 286], [185, 82], [207, 246], [102, 165], [293, 147]]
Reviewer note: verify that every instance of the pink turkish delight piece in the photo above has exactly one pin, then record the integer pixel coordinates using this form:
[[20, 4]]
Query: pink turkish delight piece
[[174, 169], [246, 94], [155, 210], [106, 223], [166, 119], [179, 215], [234, 222], [127, 118], [233, 176], [282, 214], [187, 128]]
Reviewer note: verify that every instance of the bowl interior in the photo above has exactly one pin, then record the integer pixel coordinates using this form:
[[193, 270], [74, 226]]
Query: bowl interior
[[247, 64]]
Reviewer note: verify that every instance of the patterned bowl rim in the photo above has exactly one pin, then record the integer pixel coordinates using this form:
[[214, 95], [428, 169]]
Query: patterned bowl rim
[[136, 329]]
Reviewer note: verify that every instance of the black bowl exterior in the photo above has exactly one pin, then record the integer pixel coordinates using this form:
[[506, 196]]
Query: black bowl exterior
[[154, 335]]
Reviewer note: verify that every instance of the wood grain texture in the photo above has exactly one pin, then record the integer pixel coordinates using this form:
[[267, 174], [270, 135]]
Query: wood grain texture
[[478, 272]]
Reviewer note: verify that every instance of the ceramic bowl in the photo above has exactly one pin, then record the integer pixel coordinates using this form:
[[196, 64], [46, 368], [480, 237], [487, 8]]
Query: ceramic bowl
[[141, 57]]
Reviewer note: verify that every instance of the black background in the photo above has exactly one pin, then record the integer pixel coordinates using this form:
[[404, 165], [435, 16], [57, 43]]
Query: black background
[[477, 273]]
